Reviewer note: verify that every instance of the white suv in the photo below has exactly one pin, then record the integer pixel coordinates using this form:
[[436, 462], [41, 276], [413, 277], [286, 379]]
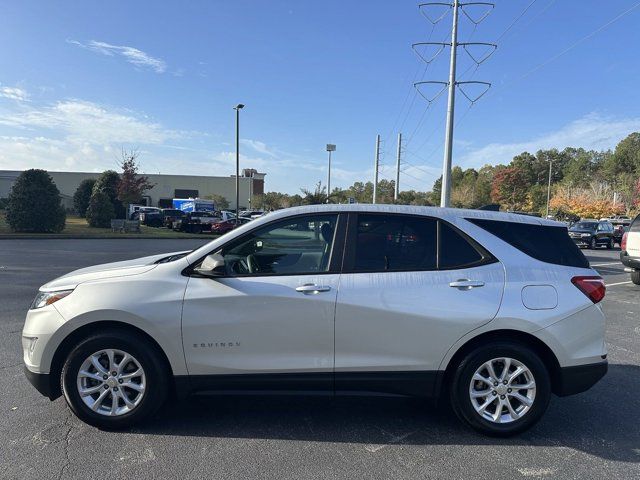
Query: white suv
[[490, 312], [630, 250]]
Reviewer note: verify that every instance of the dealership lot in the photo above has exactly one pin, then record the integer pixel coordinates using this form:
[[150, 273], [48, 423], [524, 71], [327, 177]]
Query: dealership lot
[[592, 435]]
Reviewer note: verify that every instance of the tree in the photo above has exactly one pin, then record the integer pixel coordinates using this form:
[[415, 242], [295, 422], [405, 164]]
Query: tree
[[315, 197], [108, 183], [509, 188], [100, 210], [131, 186], [34, 204], [83, 195]]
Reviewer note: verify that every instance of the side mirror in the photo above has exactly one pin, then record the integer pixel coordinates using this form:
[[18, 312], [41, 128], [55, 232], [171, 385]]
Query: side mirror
[[212, 266]]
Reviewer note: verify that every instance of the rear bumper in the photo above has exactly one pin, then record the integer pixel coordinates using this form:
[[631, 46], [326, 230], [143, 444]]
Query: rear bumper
[[579, 378], [628, 261], [42, 383]]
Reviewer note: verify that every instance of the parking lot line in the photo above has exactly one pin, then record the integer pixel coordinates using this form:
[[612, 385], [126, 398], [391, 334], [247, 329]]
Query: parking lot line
[[618, 283]]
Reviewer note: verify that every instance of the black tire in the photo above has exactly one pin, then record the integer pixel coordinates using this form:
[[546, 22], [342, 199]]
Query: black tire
[[461, 381], [635, 277], [610, 244], [155, 369], [593, 244]]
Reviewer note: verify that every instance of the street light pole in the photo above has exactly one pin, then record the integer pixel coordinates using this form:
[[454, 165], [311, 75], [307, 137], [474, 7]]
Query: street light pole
[[330, 148], [237, 108], [549, 187]]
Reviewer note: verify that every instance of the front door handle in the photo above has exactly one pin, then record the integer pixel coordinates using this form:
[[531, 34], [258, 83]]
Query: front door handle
[[312, 288], [466, 284]]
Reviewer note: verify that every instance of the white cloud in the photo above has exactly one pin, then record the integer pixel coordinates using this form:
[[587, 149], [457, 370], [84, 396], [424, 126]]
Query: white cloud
[[14, 93], [130, 54], [88, 122], [592, 131], [257, 146]]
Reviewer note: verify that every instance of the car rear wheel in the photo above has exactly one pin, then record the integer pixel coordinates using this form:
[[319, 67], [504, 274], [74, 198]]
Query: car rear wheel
[[635, 277], [500, 389], [113, 380]]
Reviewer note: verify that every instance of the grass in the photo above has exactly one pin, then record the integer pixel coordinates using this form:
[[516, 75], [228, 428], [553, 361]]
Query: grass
[[78, 227]]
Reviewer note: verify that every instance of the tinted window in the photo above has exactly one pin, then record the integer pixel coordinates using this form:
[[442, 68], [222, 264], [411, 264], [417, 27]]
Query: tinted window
[[300, 245], [545, 243], [585, 226], [395, 242], [455, 250], [635, 225]]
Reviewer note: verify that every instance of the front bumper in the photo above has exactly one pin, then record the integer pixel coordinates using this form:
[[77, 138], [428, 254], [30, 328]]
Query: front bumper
[[581, 241], [579, 378], [42, 383], [628, 261]]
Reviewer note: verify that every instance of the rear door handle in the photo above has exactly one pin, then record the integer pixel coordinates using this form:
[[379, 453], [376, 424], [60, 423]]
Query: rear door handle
[[466, 284], [309, 288]]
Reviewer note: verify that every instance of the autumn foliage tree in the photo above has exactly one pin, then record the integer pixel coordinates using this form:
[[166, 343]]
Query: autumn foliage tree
[[132, 185], [509, 188]]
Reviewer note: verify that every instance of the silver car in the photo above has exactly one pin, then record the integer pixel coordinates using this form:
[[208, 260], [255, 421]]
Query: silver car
[[486, 311]]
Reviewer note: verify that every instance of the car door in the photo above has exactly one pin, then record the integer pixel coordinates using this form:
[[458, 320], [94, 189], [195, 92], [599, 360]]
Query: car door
[[411, 286], [273, 311]]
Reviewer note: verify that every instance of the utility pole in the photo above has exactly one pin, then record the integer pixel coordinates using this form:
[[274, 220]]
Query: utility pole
[[445, 193], [457, 6], [397, 189], [375, 169], [549, 187], [237, 108]]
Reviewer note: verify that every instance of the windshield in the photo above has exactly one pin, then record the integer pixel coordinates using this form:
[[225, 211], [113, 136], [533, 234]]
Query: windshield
[[585, 226]]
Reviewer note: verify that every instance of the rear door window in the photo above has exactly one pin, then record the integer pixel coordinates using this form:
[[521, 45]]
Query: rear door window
[[395, 242]]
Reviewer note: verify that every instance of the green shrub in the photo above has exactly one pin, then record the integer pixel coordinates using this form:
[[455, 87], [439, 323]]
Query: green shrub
[[100, 210], [34, 204], [109, 182], [83, 195], [3, 203]]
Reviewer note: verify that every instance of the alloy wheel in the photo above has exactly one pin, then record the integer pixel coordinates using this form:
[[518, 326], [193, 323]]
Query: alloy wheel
[[111, 382], [502, 390]]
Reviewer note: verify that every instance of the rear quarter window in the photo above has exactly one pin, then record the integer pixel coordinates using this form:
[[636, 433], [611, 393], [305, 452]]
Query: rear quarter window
[[546, 243]]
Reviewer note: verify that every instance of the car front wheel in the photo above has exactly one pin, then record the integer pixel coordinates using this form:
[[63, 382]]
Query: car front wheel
[[593, 244], [113, 380], [635, 277], [500, 389]]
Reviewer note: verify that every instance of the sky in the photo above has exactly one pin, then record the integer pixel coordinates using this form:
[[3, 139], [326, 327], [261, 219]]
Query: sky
[[80, 81]]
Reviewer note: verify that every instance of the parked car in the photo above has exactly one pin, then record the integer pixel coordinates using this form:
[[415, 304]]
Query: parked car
[[150, 218], [592, 233], [630, 254], [490, 312], [170, 215], [135, 215], [618, 233], [195, 222], [228, 225], [251, 213]]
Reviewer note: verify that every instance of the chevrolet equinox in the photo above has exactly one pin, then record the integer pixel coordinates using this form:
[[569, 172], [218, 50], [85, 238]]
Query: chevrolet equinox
[[488, 312]]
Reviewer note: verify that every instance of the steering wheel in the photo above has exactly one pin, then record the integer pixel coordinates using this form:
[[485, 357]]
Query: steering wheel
[[252, 264]]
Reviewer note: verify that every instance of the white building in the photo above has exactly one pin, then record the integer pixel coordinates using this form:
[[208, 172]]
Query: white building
[[166, 188]]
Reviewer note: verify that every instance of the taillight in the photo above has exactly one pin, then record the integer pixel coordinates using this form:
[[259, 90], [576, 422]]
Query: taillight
[[592, 286], [623, 243]]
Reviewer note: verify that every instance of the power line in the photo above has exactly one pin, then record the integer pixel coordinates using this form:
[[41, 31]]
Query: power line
[[571, 47], [512, 24]]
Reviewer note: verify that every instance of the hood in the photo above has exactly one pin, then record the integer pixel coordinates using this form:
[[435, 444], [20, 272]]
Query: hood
[[580, 230], [106, 270]]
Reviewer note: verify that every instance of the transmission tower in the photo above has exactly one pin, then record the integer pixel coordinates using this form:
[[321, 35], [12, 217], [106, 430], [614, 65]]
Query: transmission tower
[[451, 84]]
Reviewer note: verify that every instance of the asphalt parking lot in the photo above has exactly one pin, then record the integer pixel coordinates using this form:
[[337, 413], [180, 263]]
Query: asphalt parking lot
[[592, 435]]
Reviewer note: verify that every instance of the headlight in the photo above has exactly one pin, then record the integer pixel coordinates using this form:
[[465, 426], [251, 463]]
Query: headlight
[[47, 298], [585, 235]]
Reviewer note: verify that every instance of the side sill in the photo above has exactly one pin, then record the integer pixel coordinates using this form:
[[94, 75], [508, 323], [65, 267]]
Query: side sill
[[390, 383]]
